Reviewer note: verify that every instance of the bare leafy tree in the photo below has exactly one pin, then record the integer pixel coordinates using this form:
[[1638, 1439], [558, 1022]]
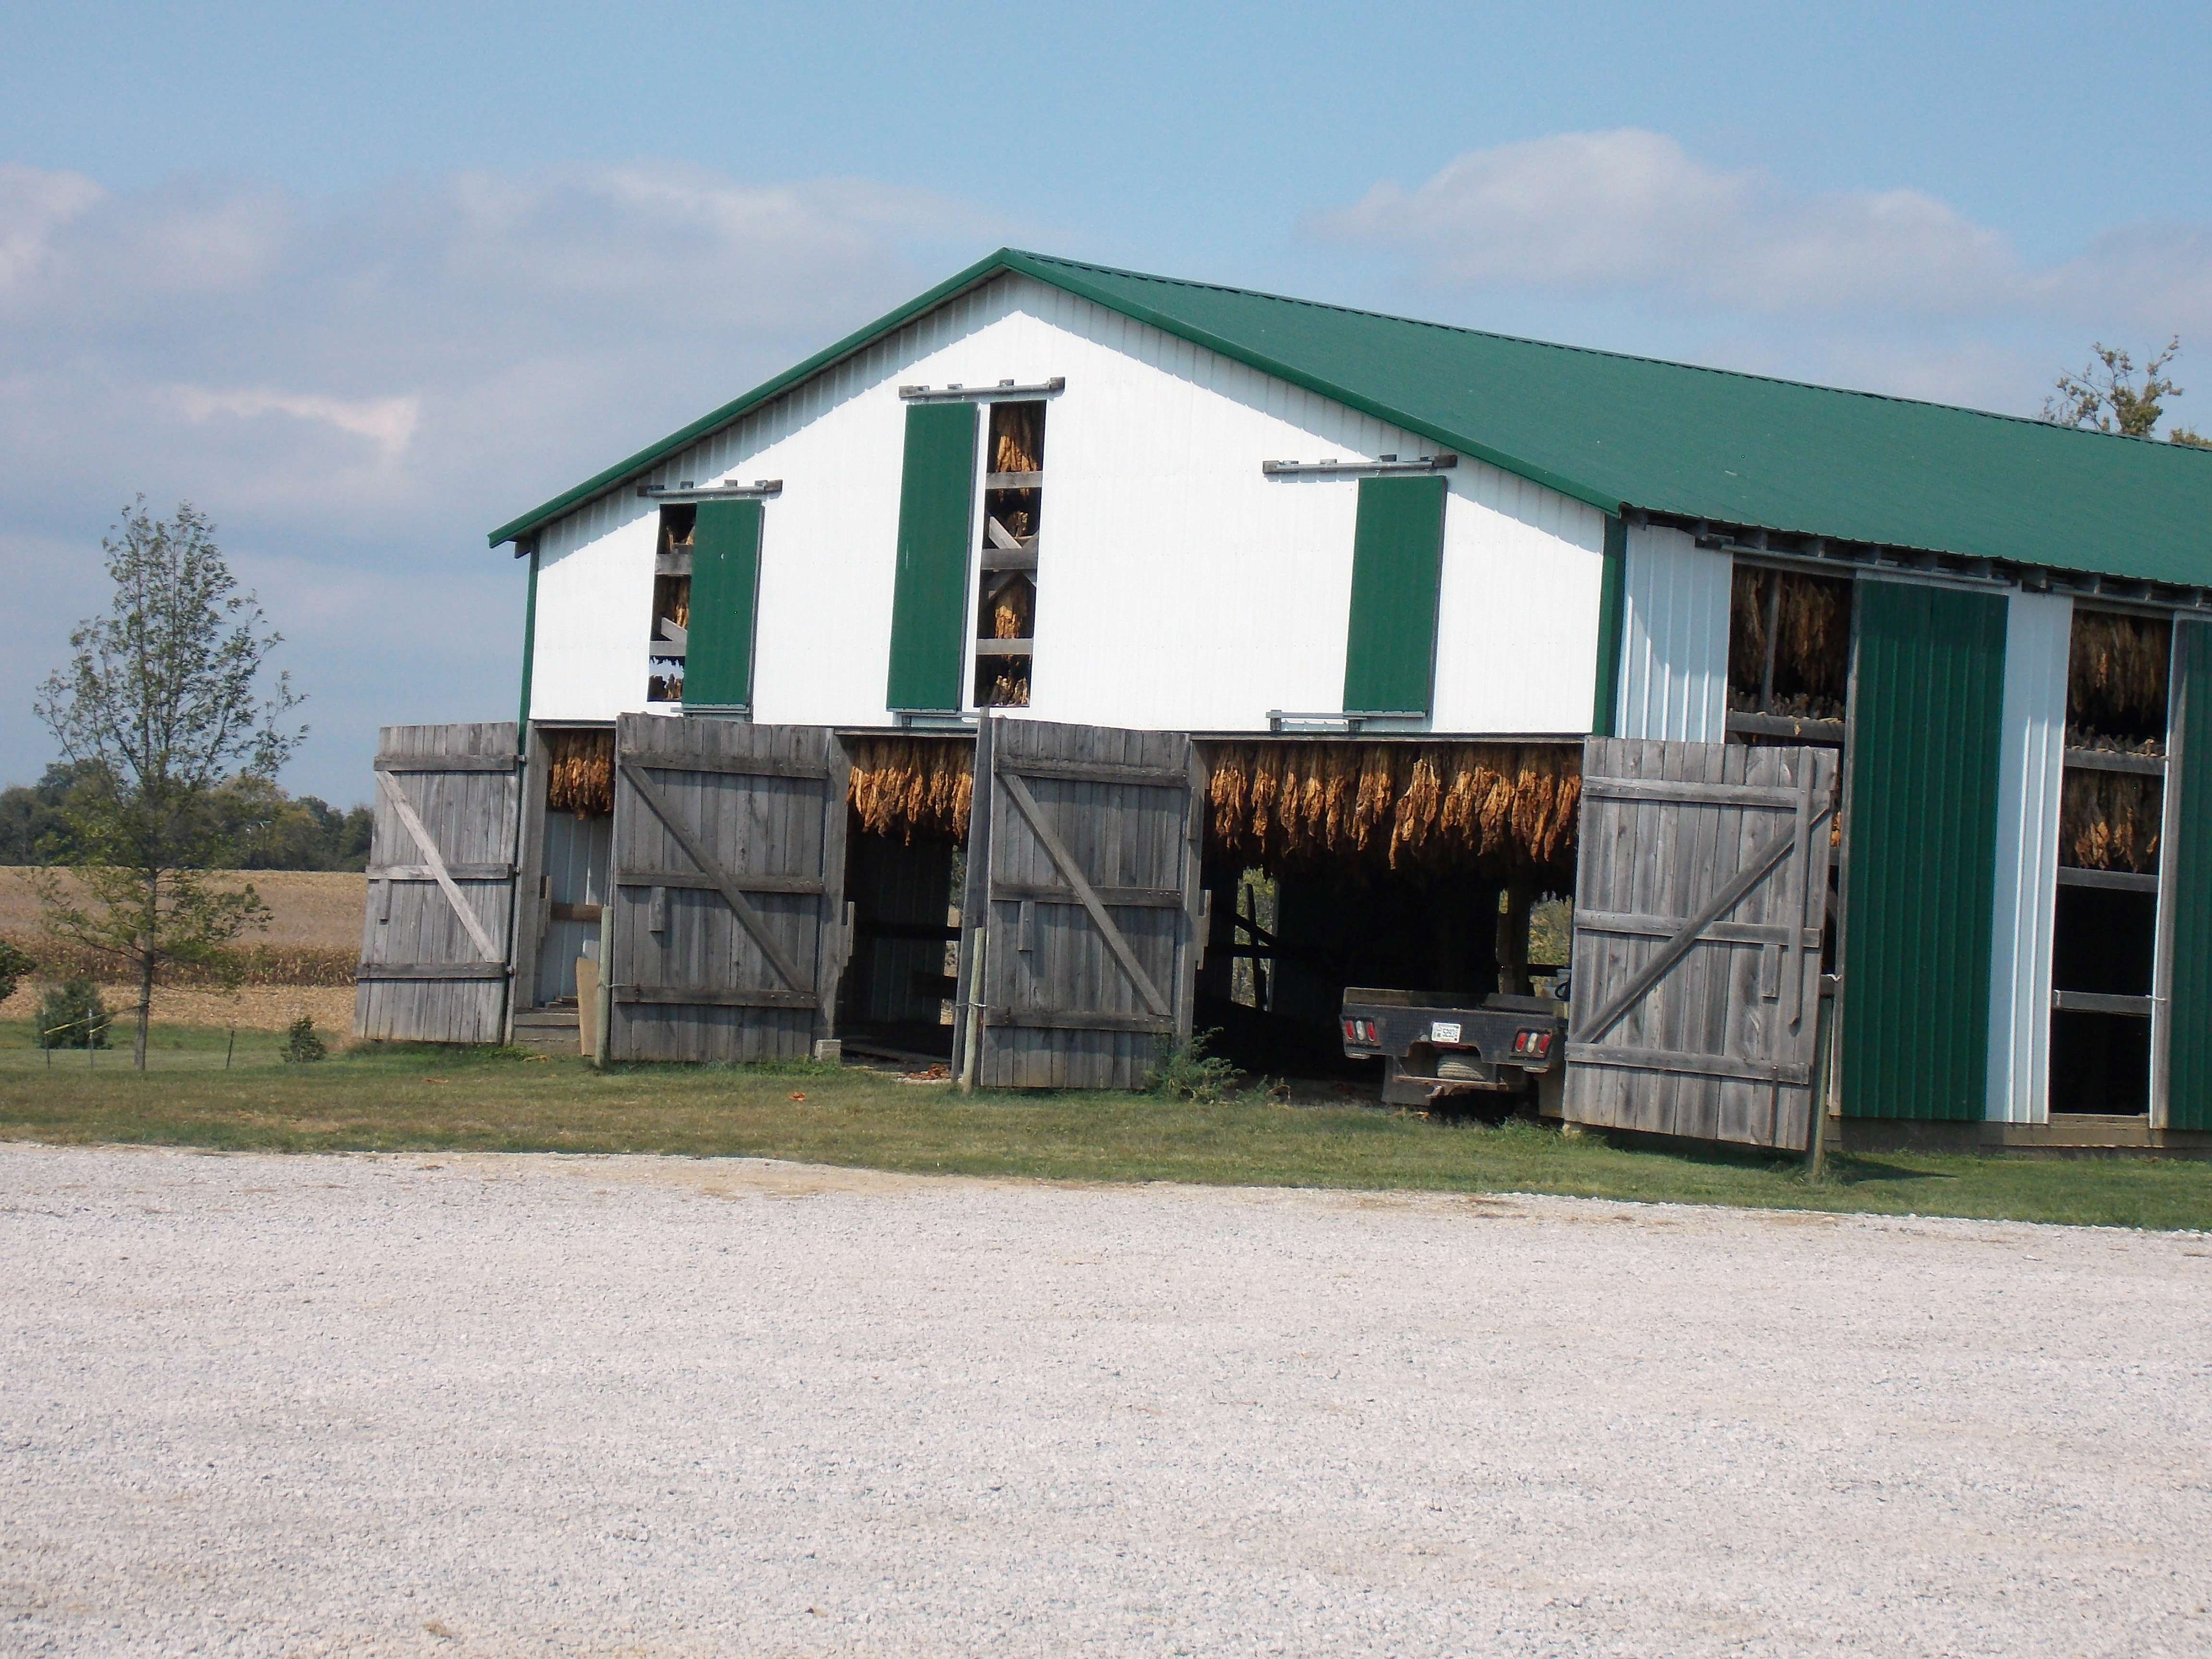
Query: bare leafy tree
[[161, 703], [2107, 396]]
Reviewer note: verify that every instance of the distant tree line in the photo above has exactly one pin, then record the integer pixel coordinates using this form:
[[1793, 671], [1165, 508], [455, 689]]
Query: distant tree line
[[265, 827]]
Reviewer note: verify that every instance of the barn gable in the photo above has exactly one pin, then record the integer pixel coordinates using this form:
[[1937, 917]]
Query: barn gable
[[1178, 584]]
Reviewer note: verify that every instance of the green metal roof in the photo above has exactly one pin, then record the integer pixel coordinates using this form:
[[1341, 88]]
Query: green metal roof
[[1669, 438]]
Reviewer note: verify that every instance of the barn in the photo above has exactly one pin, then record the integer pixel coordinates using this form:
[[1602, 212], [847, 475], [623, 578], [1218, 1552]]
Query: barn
[[1073, 658]]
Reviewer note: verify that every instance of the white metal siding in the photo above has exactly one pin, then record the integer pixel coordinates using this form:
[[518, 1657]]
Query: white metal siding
[[1674, 638], [2038, 631], [1176, 588]]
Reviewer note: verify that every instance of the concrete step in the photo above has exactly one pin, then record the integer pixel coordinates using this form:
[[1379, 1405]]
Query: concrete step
[[549, 1030]]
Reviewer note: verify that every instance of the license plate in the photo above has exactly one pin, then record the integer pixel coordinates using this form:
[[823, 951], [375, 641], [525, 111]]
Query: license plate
[[1444, 1030]]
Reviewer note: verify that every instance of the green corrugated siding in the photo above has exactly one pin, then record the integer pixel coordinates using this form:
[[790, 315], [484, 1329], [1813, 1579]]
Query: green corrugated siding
[[929, 597], [1397, 564], [1612, 601], [1668, 437], [718, 661], [2187, 842], [1927, 718]]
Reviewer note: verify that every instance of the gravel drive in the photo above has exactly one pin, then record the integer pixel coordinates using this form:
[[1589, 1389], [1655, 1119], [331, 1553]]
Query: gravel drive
[[467, 1405]]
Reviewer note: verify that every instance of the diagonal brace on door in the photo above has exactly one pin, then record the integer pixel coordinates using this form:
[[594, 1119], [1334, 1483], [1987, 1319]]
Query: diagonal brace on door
[[1769, 854], [751, 920], [1018, 793], [438, 874]]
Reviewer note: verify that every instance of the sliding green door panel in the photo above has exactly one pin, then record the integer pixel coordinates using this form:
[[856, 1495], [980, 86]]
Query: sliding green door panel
[[2187, 851], [929, 595], [1927, 716], [1397, 565], [717, 658]]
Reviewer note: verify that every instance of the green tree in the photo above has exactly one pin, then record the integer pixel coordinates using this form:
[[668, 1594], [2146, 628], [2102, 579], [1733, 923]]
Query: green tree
[[163, 697], [2107, 396]]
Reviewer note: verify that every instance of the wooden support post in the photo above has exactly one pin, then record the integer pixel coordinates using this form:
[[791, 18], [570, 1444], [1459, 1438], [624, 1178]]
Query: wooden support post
[[1513, 908]]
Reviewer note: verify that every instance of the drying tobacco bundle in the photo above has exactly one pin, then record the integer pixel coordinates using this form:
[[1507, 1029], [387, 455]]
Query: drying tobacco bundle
[[913, 786]]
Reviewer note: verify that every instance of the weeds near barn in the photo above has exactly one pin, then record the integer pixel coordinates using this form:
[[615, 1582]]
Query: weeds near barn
[[1185, 1070], [413, 1098]]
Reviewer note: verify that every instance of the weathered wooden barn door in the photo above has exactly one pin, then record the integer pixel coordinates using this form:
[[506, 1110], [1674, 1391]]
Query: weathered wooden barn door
[[1083, 900], [728, 932], [434, 948], [1699, 896]]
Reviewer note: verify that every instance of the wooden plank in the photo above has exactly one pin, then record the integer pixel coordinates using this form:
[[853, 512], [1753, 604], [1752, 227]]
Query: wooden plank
[[2098, 1002], [1078, 1020], [741, 766], [700, 881], [1028, 892], [426, 872], [753, 921], [1673, 789], [2105, 760], [1019, 792], [711, 996], [1788, 725], [1013, 481], [442, 764], [1684, 1063], [2125, 881], [429, 970], [1198, 900], [834, 918], [1006, 647], [1722, 933], [1088, 771]]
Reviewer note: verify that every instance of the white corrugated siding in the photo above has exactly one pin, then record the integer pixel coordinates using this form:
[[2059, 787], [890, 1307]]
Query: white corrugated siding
[[1673, 639], [2038, 631], [1177, 587]]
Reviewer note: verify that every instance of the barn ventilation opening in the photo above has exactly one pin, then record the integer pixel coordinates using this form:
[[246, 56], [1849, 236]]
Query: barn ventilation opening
[[1788, 682], [2110, 797], [909, 800], [1790, 651], [671, 605], [578, 852], [1421, 866], [1006, 609]]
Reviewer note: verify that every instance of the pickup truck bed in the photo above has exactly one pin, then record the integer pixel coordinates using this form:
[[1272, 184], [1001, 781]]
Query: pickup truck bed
[[1435, 1045]]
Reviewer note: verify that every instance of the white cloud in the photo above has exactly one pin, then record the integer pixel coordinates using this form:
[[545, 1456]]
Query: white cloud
[[357, 391], [1633, 213], [390, 423]]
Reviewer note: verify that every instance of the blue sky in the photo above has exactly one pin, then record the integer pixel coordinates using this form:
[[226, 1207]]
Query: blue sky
[[363, 283]]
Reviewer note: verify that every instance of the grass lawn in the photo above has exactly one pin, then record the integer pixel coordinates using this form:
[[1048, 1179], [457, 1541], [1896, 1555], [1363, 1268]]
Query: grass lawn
[[420, 1099]]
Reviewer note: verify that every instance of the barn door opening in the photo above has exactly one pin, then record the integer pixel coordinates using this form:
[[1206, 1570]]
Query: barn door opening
[[433, 951], [1085, 919], [728, 932], [1700, 894]]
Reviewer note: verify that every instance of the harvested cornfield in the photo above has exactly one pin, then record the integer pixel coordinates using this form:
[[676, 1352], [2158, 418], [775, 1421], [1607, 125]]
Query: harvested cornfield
[[2109, 820], [2116, 677], [580, 773], [1509, 810], [916, 788], [240, 964]]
